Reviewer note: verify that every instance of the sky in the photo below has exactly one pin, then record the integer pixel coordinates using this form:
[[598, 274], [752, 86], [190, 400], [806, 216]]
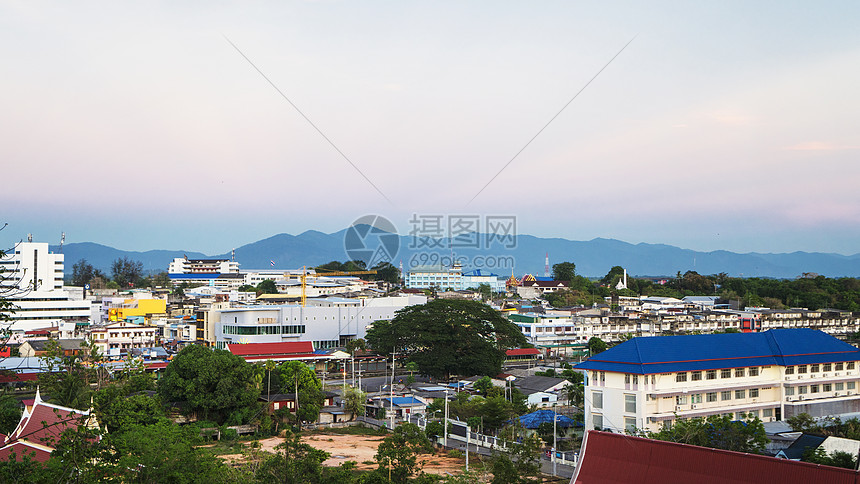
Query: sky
[[726, 125]]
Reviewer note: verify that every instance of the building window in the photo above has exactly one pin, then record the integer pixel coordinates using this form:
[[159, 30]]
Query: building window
[[753, 392], [629, 403], [840, 386], [627, 378], [711, 397], [827, 387], [597, 421], [740, 416], [711, 375], [850, 365], [739, 372], [801, 368], [630, 424], [739, 394], [597, 399], [727, 395], [753, 413], [726, 373], [802, 390], [602, 377], [789, 391], [680, 377], [813, 389], [681, 400], [814, 369], [839, 366], [635, 379], [850, 385], [696, 376], [828, 366], [696, 398], [754, 371], [789, 370]]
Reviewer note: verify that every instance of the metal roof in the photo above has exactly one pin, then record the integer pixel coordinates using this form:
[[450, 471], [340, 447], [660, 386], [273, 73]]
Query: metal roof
[[668, 354], [614, 458]]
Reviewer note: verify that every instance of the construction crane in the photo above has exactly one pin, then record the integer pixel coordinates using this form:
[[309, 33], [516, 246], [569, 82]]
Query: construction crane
[[327, 274]]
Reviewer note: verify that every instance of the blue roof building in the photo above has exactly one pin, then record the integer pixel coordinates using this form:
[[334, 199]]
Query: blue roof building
[[647, 382]]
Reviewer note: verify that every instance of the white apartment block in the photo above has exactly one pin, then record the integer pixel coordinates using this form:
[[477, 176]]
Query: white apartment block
[[34, 277], [646, 383]]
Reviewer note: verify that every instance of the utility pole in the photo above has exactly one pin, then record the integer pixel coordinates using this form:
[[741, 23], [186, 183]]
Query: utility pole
[[445, 427], [554, 442], [299, 420], [467, 447], [391, 391]]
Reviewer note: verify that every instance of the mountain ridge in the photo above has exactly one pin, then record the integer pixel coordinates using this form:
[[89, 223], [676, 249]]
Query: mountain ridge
[[592, 258]]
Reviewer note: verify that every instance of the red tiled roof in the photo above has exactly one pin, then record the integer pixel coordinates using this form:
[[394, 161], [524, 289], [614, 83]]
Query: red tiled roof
[[271, 349], [39, 453], [13, 377], [522, 352], [614, 459], [45, 424]]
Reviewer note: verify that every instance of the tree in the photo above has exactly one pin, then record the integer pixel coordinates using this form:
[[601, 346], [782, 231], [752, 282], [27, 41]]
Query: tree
[[215, 383], [10, 413], [596, 345], [718, 432], [126, 272], [520, 465], [294, 462], [66, 381], [247, 288], [397, 453], [267, 287], [835, 459], [446, 337], [610, 277], [385, 271], [311, 397], [162, 279], [354, 401], [83, 273], [802, 422], [563, 271]]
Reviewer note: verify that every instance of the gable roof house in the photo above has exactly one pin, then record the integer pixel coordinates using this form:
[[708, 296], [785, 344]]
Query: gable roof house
[[40, 428]]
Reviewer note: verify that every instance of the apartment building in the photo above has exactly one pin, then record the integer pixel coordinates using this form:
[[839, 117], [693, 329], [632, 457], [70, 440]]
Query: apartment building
[[649, 382], [33, 279]]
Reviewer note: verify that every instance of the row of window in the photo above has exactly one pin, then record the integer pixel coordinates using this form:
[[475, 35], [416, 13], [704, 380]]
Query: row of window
[[712, 374], [825, 367], [629, 401], [824, 387], [257, 330], [765, 414], [723, 396]]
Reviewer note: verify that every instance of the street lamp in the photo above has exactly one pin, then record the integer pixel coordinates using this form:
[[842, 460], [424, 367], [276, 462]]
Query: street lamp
[[554, 440], [445, 431]]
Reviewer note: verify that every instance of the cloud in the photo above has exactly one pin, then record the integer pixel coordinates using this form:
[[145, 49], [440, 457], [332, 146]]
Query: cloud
[[820, 146]]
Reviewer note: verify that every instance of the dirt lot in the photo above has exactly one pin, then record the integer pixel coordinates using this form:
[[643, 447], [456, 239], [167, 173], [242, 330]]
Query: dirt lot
[[361, 449]]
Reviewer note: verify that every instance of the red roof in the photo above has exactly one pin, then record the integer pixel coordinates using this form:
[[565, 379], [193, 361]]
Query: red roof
[[283, 349], [38, 453], [45, 424], [522, 352], [614, 459]]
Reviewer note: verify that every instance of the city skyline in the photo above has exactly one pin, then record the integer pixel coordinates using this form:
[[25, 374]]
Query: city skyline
[[721, 126]]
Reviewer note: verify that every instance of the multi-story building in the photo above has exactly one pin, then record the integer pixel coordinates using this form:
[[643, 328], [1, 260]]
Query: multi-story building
[[115, 338], [648, 382], [326, 324], [222, 273], [453, 278], [33, 277]]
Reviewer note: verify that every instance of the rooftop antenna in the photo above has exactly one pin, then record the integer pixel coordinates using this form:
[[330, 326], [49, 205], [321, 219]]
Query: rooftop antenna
[[29, 237], [546, 267], [233, 255], [62, 241]]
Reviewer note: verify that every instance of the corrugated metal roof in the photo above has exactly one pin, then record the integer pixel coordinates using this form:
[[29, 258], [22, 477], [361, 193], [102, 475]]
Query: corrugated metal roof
[[610, 458], [269, 349], [666, 354]]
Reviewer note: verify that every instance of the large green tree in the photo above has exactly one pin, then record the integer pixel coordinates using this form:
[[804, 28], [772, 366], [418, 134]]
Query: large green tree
[[397, 454], [126, 272], [446, 337], [215, 383], [563, 271], [83, 273]]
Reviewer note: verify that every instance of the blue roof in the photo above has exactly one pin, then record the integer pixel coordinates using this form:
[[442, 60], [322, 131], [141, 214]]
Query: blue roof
[[405, 401], [534, 419], [667, 354]]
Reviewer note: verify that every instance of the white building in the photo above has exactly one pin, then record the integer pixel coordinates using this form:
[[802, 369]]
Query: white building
[[646, 383], [33, 276], [327, 323], [443, 278]]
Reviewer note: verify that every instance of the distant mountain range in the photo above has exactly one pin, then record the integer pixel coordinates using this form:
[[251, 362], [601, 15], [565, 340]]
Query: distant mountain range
[[592, 258]]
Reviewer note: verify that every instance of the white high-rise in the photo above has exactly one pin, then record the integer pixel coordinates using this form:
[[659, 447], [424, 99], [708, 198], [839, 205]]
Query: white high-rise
[[32, 279]]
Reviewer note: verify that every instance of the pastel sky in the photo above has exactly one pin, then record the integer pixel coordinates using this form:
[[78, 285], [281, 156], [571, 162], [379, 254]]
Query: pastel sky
[[724, 125]]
